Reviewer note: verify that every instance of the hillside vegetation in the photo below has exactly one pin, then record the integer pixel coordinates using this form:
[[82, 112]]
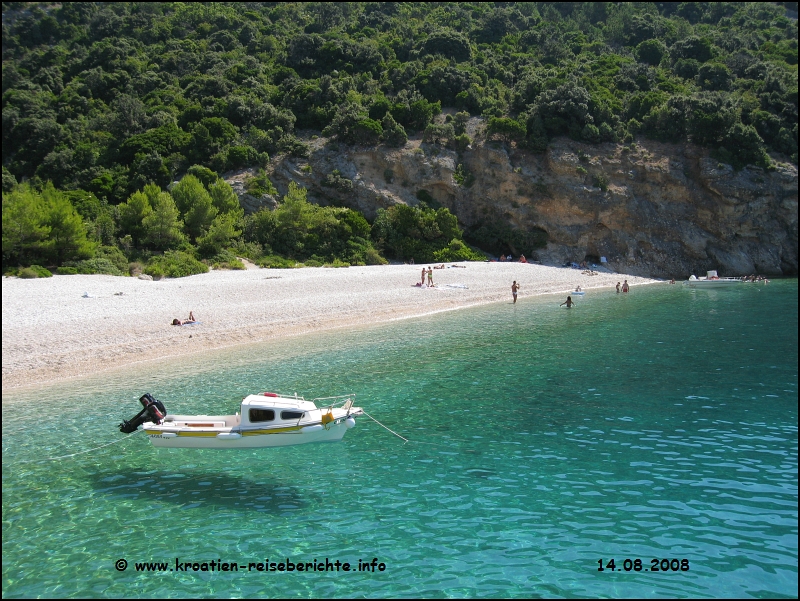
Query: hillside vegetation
[[112, 102]]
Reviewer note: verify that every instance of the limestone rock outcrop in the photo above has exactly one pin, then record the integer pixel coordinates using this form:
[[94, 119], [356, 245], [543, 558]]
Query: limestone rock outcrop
[[650, 208]]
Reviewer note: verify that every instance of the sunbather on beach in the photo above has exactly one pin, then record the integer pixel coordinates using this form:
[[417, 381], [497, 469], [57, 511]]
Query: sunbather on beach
[[178, 322]]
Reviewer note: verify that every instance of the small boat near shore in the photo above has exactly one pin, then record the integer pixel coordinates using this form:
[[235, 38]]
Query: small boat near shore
[[265, 420], [712, 280]]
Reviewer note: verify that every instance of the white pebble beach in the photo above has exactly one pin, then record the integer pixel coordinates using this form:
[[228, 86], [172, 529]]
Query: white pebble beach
[[69, 326]]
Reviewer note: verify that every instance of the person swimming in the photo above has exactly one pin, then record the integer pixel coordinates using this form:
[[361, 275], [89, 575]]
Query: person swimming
[[567, 302]]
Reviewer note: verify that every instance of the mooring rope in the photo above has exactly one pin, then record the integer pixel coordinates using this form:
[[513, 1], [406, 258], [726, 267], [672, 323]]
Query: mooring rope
[[83, 452], [382, 426]]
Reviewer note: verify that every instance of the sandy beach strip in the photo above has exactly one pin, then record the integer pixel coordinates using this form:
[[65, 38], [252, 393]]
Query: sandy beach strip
[[52, 330]]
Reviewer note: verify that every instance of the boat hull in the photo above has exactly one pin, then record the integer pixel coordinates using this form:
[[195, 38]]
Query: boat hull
[[249, 439], [714, 283]]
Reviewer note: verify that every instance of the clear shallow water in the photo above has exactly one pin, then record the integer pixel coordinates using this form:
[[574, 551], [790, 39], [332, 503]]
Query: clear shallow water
[[658, 425]]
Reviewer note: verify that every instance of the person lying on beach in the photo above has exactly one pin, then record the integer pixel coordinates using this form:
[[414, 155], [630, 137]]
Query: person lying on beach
[[439, 266], [567, 302], [178, 322]]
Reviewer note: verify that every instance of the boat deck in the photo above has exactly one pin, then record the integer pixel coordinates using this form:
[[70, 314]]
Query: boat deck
[[203, 421]]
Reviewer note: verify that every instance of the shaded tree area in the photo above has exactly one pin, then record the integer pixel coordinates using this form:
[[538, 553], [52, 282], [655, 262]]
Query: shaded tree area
[[113, 102], [421, 234], [311, 234], [108, 97], [195, 224]]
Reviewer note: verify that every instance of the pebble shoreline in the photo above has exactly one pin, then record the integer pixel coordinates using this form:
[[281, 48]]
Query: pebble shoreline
[[76, 325]]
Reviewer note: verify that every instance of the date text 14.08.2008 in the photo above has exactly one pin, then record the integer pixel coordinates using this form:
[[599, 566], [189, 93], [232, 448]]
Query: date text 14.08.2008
[[636, 565]]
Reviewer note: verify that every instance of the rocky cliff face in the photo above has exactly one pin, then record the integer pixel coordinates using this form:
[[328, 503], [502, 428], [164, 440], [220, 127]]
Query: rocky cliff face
[[651, 209]]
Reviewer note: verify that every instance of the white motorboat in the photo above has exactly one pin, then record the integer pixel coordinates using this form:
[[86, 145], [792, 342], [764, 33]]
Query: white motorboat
[[266, 420], [712, 280]]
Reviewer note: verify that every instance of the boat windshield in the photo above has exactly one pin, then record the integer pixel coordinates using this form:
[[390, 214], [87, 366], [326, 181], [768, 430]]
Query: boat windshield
[[261, 415]]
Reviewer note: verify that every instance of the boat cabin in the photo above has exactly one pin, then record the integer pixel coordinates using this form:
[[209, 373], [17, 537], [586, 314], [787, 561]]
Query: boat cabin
[[266, 410]]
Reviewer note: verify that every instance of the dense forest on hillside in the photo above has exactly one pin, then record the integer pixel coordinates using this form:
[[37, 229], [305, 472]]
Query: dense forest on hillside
[[106, 104]]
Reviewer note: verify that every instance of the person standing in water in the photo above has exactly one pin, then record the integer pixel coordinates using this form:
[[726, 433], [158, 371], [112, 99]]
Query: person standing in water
[[514, 290], [567, 302], [617, 287], [625, 286]]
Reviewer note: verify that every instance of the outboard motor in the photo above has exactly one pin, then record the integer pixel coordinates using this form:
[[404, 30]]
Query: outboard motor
[[154, 411]]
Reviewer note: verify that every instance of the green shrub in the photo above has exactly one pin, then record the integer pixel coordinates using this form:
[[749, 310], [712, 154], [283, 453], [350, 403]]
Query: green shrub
[[252, 251], [461, 142], [98, 265], [463, 176], [226, 260], [312, 262], [260, 184], [135, 268], [337, 263], [276, 262], [63, 270], [26, 273], [336, 180], [41, 271], [600, 181], [581, 170], [115, 255], [405, 232], [235, 264], [373, 257], [457, 251], [174, 264]]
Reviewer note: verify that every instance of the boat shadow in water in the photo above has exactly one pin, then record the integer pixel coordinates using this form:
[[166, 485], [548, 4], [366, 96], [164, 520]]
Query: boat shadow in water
[[187, 489]]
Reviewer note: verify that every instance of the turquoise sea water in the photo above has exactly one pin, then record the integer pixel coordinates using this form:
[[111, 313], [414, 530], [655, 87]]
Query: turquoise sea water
[[659, 425]]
